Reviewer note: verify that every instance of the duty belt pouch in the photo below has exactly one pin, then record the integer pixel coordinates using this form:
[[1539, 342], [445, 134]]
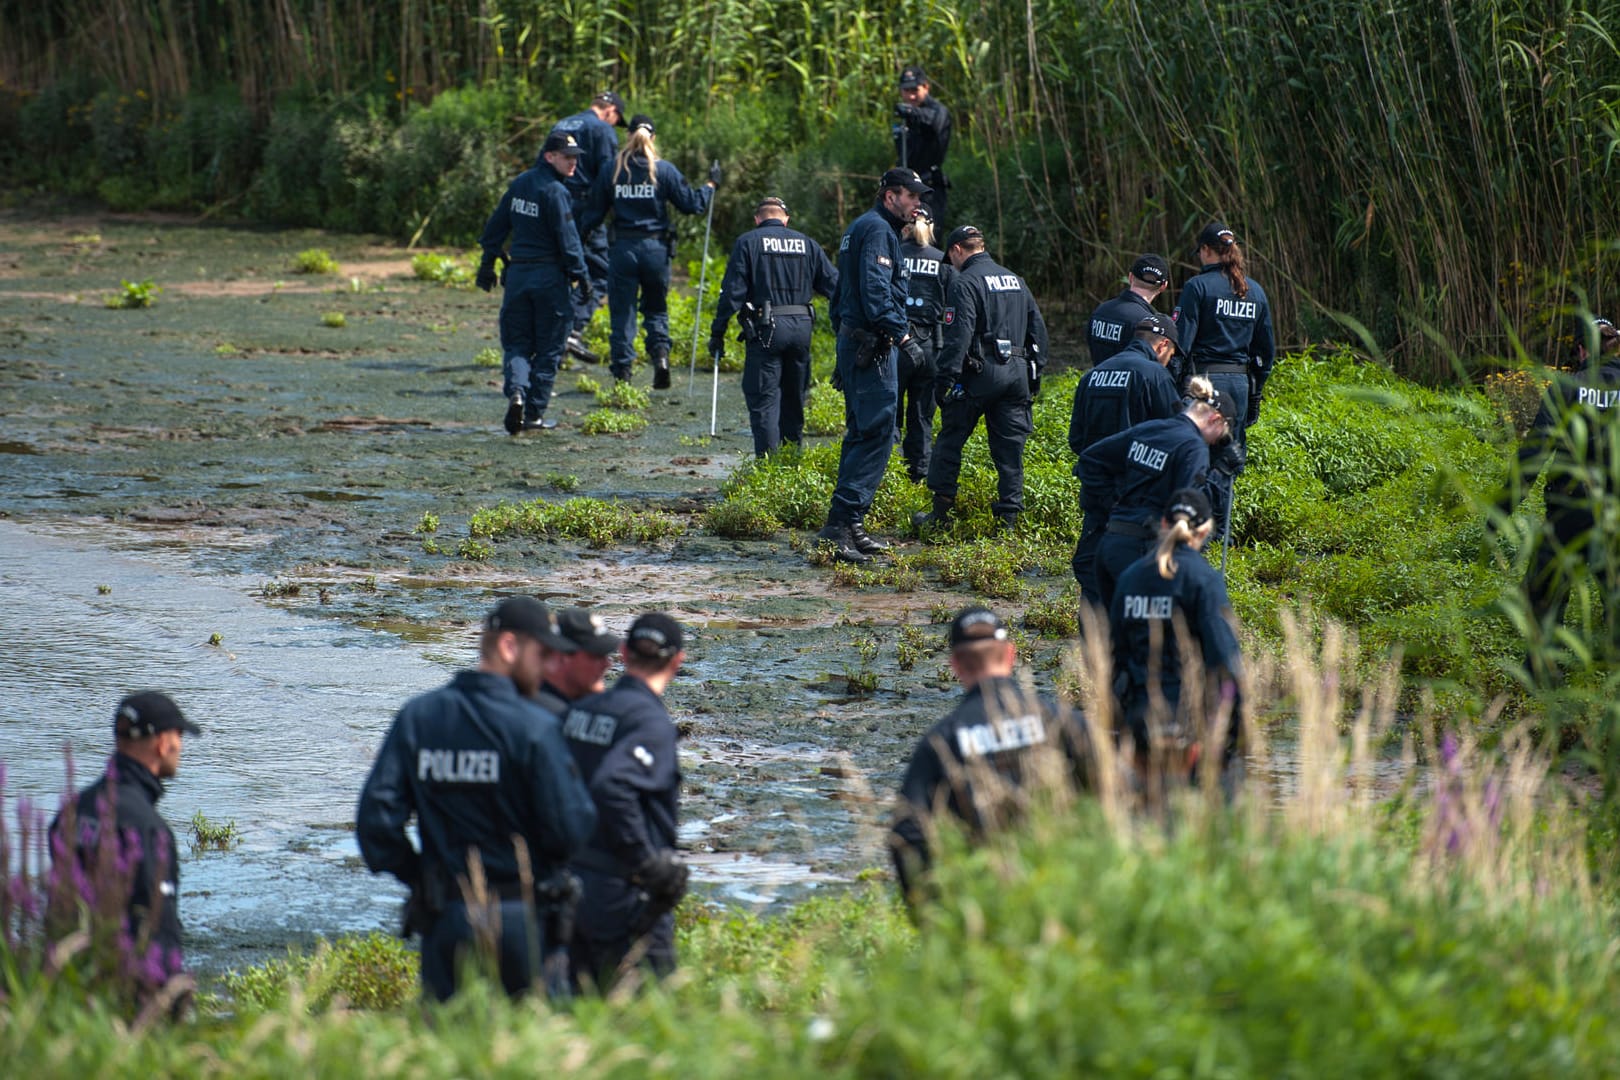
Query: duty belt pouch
[[766, 327], [1000, 348], [748, 322]]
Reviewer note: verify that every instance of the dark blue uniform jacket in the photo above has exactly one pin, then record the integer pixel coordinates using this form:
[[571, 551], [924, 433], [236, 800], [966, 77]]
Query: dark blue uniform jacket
[[1216, 327], [1138, 470], [1113, 323], [872, 282], [638, 196], [989, 300], [931, 275], [600, 142], [928, 137], [478, 764], [772, 262], [537, 214], [1128, 388], [624, 744], [1594, 397]]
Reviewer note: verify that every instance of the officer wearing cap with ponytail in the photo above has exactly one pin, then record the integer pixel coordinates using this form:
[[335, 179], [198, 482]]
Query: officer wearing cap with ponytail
[[995, 350], [772, 272], [1129, 388], [624, 743], [1114, 322], [1134, 473], [1168, 605], [982, 763], [1225, 323], [930, 276]]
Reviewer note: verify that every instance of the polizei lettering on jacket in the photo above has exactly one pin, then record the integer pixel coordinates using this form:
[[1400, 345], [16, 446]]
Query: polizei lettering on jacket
[[998, 736], [588, 727], [1149, 457], [1236, 309], [928, 267], [526, 207], [782, 245], [1602, 399], [635, 191], [1147, 607], [1103, 330], [1109, 380], [1003, 283], [459, 766]]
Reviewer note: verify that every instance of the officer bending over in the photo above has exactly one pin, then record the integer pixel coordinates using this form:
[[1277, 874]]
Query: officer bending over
[[637, 188], [624, 743], [983, 762], [1135, 472], [922, 136], [1130, 387], [594, 130], [535, 313], [1114, 321], [869, 316], [1168, 605], [769, 278], [573, 667], [114, 824], [495, 794], [930, 278], [990, 367]]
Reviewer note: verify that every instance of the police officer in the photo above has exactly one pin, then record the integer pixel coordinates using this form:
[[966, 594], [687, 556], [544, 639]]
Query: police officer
[[922, 136], [573, 666], [1134, 473], [1575, 438], [1130, 387], [869, 317], [114, 824], [624, 743], [1114, 321], [495, 793], [1225, 324], [1167, 605], [977, 763], [545, 257], [769, 278], [636, 188], [995, 349], [594, 130], [930, 277]]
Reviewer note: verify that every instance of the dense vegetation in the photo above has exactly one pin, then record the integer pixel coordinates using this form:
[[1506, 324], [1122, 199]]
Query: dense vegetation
[[1412, 165]]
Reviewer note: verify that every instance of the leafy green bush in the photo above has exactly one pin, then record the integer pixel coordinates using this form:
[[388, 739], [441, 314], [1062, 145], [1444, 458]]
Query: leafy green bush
[[611, 422], [374, 971], [623, 395], [135, 294], [444, 269], [314, 261]]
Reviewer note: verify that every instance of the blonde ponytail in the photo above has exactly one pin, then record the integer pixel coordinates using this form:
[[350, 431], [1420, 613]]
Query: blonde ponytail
[[1179, 532], [639, 144]]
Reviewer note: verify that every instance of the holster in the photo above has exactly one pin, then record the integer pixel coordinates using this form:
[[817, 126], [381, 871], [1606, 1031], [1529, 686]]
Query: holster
[[427, 900], [870, 348], [556, 898], [748, 318]]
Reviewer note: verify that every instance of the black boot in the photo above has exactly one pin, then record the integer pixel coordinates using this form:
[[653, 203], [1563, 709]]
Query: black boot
[[864, 543], [939, 518], [1006, 522], [660, 366], [843, 544], [514, 413]]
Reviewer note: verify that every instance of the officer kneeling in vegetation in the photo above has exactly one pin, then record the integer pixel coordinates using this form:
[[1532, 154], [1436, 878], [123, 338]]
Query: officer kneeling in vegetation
[[995, 350], [1001, 745], [624, 743], [499, 805]]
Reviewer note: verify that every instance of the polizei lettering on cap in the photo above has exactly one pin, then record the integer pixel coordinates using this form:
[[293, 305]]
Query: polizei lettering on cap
[[1103, 330], [1150, 457], [635, 191], [1003, 283], [783, 245], [1236, 309], [998, 736], [1109, 380], [1147, 607], [459, 766]]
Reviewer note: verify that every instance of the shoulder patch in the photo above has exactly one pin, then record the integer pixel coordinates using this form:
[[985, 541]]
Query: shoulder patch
[[884, 260], [950, 316]]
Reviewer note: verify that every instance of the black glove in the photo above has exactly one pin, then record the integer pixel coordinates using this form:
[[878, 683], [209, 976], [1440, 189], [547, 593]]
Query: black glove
[[907, 112], [486, 275], [1253, 412], [1230, 461], [663, 875], [914, 352], [587, 298], [715, 174], [717, 344]]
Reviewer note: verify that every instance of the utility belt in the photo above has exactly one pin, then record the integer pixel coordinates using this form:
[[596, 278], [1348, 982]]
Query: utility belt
[[638, 234], [536, 261], [1132, 530], [757, 322], [555, 894], [1222, 368], [790, 309]]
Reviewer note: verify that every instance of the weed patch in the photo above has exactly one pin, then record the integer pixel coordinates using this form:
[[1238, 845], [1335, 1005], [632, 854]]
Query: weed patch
[[596, 521], [314, 261]]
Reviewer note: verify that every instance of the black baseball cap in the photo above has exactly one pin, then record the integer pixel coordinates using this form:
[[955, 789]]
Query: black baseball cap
[[1162, 325], [584, 631], [527, 616], [912, 76], [642, 120], [1189, 503], [655, 636], [771, 202], [142, 715], [1151, 269], [923, 214], [562, 142], [1226, 406], [975, 624], [1216, 237], [608, 97], [905, 178], [961, 233]]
